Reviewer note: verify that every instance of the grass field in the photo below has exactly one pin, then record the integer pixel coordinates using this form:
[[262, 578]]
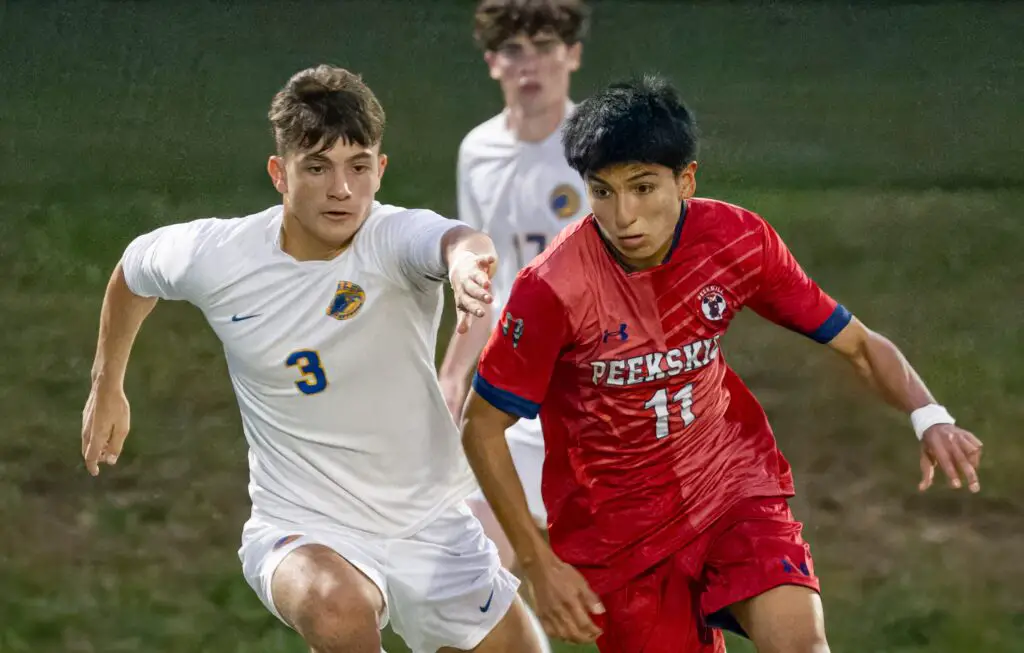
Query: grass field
[[883, 142]]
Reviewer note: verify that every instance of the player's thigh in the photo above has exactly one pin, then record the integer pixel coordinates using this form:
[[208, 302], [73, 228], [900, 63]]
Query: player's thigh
[[786, 619], [756, 557], [513, 634], [446, 585], [316, 590], [317, 582]]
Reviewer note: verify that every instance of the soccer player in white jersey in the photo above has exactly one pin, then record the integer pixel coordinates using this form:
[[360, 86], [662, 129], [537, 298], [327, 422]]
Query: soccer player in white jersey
[[514, 184], [328, 307]]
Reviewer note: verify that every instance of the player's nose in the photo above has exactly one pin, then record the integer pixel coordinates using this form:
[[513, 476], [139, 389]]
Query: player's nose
[[624, 214], [339, 188]]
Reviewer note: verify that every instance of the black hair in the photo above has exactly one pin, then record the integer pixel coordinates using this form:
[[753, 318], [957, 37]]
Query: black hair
[[642, 120]]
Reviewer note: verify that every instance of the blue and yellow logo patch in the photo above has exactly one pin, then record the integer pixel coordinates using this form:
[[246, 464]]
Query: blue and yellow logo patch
[[348, 299], [565, 201]]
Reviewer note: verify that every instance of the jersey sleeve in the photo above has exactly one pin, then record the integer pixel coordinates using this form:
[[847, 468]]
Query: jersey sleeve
[[790, 298], [164, 263], [408, 246], [516, 364]]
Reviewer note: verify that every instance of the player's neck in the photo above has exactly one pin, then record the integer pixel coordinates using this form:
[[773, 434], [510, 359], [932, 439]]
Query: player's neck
[[301, 245], [536, 127]]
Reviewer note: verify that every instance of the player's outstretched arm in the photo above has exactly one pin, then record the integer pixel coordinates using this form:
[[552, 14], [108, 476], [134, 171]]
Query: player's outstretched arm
[[106, 418], [460, 359], [471, 260], [564, 599], [887, 371]]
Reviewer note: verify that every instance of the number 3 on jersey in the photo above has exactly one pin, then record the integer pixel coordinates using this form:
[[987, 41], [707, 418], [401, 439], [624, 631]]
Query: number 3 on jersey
[[659, 402], [314, 379]]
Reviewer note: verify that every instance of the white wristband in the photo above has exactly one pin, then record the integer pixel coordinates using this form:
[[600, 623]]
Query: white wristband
[[928, 416]]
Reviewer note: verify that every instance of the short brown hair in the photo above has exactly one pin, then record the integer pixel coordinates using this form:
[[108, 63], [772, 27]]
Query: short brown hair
[[320, 105], [497, 21]]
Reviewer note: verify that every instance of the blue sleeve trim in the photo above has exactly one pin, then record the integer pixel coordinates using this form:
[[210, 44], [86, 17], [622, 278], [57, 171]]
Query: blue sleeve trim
[[505, 400], [832, 326]]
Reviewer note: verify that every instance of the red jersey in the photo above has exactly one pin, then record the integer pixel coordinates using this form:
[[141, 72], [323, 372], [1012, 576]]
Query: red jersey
[[649, 436]]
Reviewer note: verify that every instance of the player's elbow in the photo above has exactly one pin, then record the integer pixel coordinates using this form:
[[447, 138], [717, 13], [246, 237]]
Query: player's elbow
[[482, 421]]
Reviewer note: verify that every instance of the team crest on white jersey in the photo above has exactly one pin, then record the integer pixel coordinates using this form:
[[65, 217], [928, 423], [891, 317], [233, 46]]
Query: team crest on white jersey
[[565, 201], [712, 303], [347, 301]]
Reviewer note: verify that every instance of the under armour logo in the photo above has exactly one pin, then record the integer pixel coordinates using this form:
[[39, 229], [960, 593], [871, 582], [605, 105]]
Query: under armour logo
[[620, 334]]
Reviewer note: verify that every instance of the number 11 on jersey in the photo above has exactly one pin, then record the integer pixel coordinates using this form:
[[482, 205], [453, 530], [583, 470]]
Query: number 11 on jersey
[[659, 402]]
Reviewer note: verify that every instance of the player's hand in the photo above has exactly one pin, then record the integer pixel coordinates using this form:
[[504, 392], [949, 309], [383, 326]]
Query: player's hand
[[454, 391], [564, 601], [470, 275], [105, 423], [953, 449]]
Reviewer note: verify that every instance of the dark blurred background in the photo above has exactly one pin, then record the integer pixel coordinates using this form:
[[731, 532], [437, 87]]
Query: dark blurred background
[[884, 141]]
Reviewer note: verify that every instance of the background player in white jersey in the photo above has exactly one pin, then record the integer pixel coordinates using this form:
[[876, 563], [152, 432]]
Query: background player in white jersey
[[328, 308], [514, 184]]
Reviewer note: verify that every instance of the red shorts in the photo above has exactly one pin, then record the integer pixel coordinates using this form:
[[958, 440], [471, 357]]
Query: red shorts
[[679, 605]]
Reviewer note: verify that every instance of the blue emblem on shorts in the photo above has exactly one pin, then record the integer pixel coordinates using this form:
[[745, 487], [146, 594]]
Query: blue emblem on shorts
[[787, 567]]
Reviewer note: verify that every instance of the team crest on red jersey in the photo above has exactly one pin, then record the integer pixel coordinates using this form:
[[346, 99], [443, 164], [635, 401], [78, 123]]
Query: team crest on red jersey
[[712, 302], [513, 324]]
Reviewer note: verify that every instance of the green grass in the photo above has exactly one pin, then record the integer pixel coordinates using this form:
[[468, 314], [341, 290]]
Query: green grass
[[884, 143]]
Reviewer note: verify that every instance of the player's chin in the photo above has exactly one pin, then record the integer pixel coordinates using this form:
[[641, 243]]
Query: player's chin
[[339, 225]]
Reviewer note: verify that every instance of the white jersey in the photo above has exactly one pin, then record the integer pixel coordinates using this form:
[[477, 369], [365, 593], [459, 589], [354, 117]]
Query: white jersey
[[332, 362], [522, 195]]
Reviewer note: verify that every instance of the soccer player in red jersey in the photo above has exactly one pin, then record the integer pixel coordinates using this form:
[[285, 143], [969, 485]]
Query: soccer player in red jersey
[[666, 493]]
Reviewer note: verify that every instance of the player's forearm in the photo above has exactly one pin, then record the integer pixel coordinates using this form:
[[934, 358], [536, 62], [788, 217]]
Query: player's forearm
[[464, 348], [483, 439], [121, 317], [884, 367]]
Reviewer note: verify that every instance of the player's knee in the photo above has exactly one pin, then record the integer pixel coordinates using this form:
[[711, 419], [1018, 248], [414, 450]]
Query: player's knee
[[794, 639], [333, 619], [329, 602], [809, 642]]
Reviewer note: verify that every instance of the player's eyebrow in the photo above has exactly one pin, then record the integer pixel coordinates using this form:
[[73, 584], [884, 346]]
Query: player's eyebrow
[[641, 175], [362, 156]]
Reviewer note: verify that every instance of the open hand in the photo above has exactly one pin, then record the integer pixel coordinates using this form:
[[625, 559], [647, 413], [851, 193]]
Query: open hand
[[953, 449], [470, 275]]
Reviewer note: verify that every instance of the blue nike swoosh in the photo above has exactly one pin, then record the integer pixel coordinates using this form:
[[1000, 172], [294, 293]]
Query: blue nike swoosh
[[241, 318], [487, 606]]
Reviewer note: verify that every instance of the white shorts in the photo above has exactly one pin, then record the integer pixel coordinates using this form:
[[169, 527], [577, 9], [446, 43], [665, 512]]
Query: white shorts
[[526, 444], [443, 586]]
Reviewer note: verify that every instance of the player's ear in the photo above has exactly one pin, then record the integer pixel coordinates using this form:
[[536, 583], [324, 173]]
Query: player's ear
[[575, 55], [688, 181], [276, 170], [382, 163], [491, 58]]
